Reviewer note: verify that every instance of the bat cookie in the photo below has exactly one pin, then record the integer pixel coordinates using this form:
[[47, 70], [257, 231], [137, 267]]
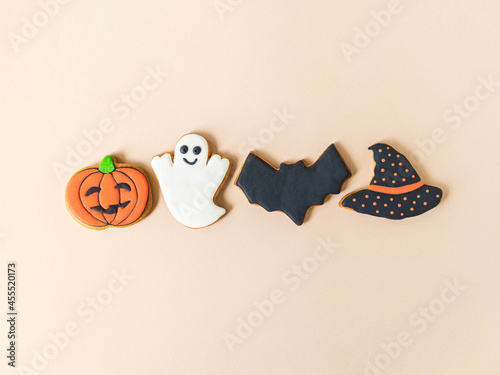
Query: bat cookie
[[396, 191], [293, 188], [109, 195], [191, 181]]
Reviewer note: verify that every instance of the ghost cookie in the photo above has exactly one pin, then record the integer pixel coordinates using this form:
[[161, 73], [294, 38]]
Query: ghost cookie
[[191, 181], [396, 191], [109, 195]]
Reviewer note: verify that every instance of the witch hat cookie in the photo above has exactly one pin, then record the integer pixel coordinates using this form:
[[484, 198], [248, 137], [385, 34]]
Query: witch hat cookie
[[396, 191]]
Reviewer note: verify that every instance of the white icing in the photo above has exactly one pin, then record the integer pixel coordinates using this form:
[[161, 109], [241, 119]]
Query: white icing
[[189, 190]]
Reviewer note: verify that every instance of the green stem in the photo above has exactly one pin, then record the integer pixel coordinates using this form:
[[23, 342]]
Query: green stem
[[107, 164]]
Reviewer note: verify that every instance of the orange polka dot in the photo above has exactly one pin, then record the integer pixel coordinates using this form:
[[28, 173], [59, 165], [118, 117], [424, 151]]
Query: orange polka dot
[[425, 203], [400, 163], [389, 154], [437, 196], [407, 170], [362, 205], [427, 191], [413, 176], [392, 199], [412, 209], [392, 164], [405, 199], [397, 155], [393, 181], [404, 179], [374, 203], [414, 202], [383, 160], [374, 181], [354, 199], [418, 196], [382, 170], [378, 196], [383, 179], [388, 148], [380, 150], [395, 174], [399, 204], [402, 214], [377, 211], [367, 196], [385, 204], [392, 212]]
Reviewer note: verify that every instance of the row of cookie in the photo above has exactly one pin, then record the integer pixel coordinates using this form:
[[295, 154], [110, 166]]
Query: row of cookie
[[119, 195]]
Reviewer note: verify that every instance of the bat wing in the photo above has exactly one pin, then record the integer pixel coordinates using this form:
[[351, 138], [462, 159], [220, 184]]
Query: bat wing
[[294, 188]]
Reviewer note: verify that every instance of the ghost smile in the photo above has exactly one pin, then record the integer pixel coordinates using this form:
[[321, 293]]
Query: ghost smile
[[190, 162]]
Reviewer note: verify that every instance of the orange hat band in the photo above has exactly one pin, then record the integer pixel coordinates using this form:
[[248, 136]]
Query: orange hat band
[[396, 190]]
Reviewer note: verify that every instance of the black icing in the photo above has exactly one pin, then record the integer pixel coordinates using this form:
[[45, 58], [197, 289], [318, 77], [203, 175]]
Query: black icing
[[184, 149], [294, 188], [111, 210], [92, 190], [197, 150], [190, 162], [394, 206], [393, 170], [123, 186]]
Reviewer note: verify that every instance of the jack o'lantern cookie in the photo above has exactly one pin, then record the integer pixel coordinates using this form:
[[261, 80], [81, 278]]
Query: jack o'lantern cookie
[[396, 191], [109, 195]]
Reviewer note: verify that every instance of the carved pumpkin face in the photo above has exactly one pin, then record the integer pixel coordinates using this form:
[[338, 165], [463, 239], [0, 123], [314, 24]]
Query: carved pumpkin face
[[108, 195]]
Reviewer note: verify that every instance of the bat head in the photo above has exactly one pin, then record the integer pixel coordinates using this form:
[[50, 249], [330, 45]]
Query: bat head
[[191, 152]]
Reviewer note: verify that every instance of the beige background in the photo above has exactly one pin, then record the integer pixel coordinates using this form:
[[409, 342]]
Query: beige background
[[227, 74]]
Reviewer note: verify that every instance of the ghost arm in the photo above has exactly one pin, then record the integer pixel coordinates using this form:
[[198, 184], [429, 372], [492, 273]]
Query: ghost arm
[[218, 167], [162, 165]]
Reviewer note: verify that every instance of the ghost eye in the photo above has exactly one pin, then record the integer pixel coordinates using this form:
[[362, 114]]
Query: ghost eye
[[184, 149], [197, 150], [92, 190]]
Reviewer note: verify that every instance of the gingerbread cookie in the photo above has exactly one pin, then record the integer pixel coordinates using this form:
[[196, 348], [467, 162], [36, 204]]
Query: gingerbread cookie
[[396, 191], [191, 181], [109, 195], [293, 188]]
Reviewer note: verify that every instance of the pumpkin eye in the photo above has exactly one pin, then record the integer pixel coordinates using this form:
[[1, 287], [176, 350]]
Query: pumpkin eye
[[92, 190], [184, 149], [197, 150], [123, 186]]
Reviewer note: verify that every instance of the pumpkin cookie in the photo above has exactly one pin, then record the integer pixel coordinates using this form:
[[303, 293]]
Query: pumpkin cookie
[[109, 195]]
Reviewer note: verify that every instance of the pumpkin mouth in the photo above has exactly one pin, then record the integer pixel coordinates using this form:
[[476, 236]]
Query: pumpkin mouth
[[190, 162], [112, 209]]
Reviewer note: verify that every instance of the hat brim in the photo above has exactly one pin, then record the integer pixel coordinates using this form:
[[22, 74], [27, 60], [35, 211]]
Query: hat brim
[[393, 206]]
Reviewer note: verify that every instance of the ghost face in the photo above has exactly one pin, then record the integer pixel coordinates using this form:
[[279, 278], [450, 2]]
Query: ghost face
[[191, 151]]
